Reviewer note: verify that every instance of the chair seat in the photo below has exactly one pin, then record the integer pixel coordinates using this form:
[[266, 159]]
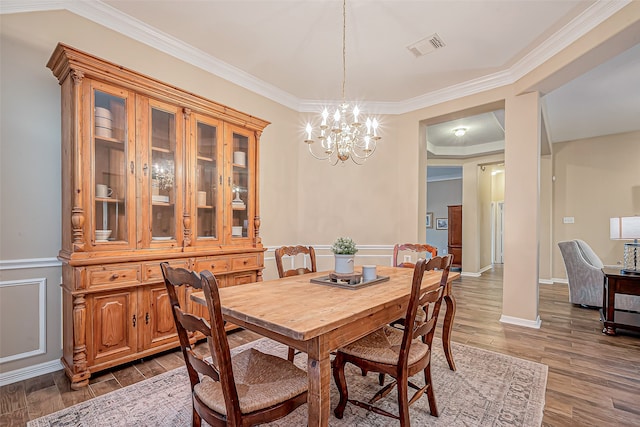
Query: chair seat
[[262, 380], [383, 346]]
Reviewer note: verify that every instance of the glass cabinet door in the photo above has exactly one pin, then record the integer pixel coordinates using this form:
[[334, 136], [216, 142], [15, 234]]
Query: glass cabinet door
[[241, 183], [111, 182], [208, 180], [164, 130]]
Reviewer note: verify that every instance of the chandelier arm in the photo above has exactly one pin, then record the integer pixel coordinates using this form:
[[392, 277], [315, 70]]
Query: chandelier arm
[[373, 150], [318, 157]]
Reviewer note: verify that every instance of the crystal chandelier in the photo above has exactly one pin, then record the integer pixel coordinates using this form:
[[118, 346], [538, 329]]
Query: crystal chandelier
[[341, 139]]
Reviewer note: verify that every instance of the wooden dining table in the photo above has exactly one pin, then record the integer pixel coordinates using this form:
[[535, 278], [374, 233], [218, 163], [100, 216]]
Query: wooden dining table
[[318, 319]]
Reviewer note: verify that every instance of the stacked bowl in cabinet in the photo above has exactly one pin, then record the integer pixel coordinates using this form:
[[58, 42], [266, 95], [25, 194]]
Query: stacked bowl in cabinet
[[104, 122]]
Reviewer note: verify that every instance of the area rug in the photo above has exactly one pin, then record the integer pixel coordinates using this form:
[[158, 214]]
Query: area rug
[[488, 389]]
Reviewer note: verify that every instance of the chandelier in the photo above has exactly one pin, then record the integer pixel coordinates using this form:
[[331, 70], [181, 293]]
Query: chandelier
[[340, 138]]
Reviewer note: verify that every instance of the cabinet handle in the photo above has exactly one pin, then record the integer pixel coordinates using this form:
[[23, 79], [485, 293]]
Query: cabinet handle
[[146, 319], [145, 168], [132, 167], [220, 179], [229, 179], [213, 266], [114, 276], [134, 320]]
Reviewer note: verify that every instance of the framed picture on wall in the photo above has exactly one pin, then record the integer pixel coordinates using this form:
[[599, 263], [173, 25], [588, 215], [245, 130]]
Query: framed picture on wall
[[442, 223], [429, 219]]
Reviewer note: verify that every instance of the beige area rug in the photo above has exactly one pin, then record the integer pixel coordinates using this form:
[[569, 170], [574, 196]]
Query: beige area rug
[[488, 389]]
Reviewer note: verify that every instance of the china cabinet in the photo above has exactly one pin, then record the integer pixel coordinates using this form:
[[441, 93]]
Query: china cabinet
[[150, 173]]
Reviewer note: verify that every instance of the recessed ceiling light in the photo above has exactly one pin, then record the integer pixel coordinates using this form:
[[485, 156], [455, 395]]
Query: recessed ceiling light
[[459, 131]]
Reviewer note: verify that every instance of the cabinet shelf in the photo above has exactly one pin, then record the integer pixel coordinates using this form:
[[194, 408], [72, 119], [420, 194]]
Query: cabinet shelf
[[113, 142], [206, 159], [109, 200], [161, 150], [239, 166]]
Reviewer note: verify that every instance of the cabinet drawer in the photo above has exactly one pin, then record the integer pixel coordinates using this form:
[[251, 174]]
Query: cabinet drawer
[[244, 262], [214, 265], [114, 275], [151, 271], [241, 279]]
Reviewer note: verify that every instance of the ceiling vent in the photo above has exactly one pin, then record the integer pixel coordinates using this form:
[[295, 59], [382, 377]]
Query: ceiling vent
[[426, 45]]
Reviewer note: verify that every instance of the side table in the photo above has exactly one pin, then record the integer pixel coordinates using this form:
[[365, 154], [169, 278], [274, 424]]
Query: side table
[[618, 282]]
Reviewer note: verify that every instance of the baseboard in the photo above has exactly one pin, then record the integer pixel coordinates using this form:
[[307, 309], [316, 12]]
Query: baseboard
[[545, 281], [470, 274], [521, 322], [557, 280], [29, 372]]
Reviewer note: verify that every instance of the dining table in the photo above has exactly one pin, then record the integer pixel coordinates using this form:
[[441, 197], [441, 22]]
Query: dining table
[[318, 318]]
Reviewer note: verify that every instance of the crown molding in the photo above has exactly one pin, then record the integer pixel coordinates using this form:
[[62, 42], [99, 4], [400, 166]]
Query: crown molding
[[470, 151], [112, 18]]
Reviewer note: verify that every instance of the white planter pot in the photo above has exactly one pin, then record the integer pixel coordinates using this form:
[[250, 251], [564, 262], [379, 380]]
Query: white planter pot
[[344, 264]]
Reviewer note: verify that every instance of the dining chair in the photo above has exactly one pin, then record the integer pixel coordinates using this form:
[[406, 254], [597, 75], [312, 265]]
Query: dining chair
[[247, 389], [411, 247], [400, 354], [294, 251], [448, 297]]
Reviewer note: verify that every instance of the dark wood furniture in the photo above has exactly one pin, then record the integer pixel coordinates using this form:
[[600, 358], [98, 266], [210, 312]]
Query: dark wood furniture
[[400, 354], [149, 175], [618, 282], [247, 389], [314, 318], [411, 247], [454, 245], [447, 325], [293, 251]]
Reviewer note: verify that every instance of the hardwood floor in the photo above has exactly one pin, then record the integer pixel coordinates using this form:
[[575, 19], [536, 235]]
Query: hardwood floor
[[594, 379]]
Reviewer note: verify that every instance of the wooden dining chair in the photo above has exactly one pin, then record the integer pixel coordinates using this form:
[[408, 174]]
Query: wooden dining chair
[[247, 389], [398, 353], [411, 247], [294, 251], [449, 299]]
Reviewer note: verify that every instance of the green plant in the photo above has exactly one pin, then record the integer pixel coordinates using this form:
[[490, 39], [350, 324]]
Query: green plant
[[344, 246]]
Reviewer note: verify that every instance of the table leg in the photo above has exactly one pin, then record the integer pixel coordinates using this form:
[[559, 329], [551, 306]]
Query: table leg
[[609, 311], [446, 329], [319, 371]]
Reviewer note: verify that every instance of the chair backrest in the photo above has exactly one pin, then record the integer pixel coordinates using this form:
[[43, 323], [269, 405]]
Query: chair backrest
[[428, 299], [412, 247], [293, 251], [220, 369]]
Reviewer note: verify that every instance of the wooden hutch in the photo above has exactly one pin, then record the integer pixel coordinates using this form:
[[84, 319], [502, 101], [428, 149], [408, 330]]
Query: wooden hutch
[[150, 173]]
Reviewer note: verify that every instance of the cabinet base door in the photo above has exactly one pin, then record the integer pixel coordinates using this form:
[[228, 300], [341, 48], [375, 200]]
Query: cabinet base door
[[114, 325]]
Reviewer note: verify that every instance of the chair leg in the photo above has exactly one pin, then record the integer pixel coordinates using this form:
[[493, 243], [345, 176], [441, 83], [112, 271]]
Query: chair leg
[[403, 401], [381, 378], [446, 329], [291, 354], [196, 420], [430, 393], [341, 383]]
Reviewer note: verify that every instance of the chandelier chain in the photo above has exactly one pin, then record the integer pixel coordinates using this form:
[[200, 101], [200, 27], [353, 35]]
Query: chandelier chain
[[344, 48]]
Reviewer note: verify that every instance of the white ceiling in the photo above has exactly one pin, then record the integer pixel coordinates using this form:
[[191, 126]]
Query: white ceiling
[[290, 51]]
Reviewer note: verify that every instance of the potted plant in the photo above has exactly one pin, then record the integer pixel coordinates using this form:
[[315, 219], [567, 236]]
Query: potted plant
[[344, 250]]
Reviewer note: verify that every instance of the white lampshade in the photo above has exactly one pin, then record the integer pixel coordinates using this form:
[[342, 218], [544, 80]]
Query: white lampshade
[[627, 228], [624, 228]]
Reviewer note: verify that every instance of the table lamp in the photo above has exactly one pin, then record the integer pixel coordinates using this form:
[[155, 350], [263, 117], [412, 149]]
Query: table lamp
[[627, 228]]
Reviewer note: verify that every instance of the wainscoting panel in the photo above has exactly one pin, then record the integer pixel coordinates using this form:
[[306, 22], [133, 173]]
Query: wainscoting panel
[[22, 326]]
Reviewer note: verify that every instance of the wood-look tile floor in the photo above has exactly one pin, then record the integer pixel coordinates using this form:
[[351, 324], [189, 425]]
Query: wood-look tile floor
[[594, 379]]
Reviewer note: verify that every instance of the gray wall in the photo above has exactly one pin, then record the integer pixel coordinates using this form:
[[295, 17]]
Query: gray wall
[[441, 194]]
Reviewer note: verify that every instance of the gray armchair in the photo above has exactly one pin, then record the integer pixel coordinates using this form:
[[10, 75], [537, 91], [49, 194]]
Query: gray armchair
[[584, 272]]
